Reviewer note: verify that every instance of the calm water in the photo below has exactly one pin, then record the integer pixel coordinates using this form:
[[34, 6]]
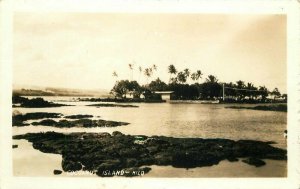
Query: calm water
[[176, 120]]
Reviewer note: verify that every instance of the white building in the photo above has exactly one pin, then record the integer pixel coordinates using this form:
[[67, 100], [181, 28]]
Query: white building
[[165, 95]]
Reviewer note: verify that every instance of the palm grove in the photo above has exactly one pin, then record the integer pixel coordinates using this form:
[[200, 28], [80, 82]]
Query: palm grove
[[186, 85]]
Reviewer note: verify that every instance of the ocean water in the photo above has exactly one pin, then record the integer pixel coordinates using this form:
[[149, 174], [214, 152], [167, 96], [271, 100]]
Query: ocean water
[[176, 120]]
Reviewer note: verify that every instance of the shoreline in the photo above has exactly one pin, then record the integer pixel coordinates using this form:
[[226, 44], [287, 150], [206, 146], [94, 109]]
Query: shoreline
[[119, 151], [273, 168]]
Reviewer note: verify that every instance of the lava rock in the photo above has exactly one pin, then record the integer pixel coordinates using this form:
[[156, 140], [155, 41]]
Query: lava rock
[[107, 154], [57, 172], [79, 116], [254, 161]]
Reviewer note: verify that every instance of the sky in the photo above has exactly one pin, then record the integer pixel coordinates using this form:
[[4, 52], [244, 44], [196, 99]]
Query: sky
[[82, 50]]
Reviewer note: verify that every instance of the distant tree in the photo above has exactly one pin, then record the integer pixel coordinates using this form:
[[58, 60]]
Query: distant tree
[[115, 75], [211, 79], [275, 93], [172, 70], [211, 88], [250, 90], [148, 73], [186, 72], [158, 85], [196, 76], [230, 90], [140, 72], [241, 85], [122, 88], [181, 77], [151, 71], [154, 69], [136, 89], [285, 96], [131, 70], [263, 92], [173, 80]]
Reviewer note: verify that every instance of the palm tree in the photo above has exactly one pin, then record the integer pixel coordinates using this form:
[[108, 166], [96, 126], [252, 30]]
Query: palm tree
[[131, 69], [140, 70], [148, 72], [263, 91], [115, 74], [230, 89], [275, 93], [250, 90], [241, 85], [211, 79], [186, 73], [154, 69], [171, 70], [197, 75], [181, 77]]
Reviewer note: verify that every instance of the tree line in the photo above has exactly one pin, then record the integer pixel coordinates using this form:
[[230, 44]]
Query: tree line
[[186, 86]]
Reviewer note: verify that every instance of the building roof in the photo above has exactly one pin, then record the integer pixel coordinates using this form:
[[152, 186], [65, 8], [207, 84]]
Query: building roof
[[163, 92]]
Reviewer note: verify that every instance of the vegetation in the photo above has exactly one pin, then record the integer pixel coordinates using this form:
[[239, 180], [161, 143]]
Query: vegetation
[[124, 87], [185, 86]]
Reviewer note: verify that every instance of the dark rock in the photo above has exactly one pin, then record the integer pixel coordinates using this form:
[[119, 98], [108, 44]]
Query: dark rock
[[107, 154], [114, 105], [117, 133], [277, 107], [79, 116], [34, 103], [79, 123], [163, 158], [14, 146], [69, 165], [18, 119], [46, 122], [254, 161], [57, 172], [232, 159]]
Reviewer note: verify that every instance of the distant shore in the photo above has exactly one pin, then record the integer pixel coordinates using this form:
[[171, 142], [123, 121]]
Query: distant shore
[[273, 107], [122, 100]]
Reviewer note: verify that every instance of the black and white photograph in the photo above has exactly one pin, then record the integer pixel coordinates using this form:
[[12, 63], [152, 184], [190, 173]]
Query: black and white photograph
[[150, 95]]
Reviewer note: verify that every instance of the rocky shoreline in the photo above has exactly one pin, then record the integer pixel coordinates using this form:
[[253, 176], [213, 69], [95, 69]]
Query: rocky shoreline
[[114, 105], [23, 102], [79, 120], [103, 153], [277, 107], [19, 119], [121, 100], [86, 123]]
